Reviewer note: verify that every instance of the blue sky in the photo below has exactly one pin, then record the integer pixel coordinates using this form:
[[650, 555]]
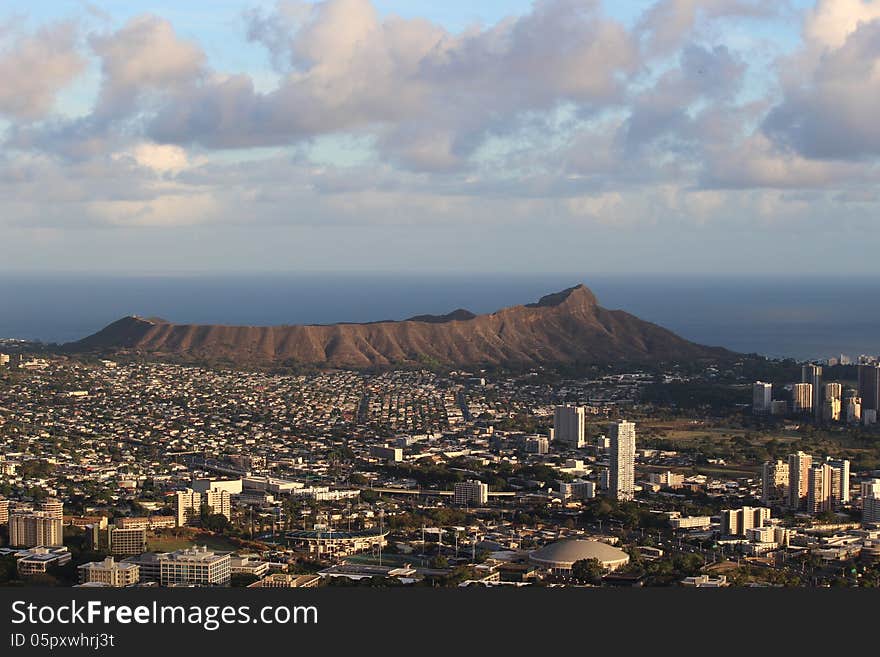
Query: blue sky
[[679, 136]]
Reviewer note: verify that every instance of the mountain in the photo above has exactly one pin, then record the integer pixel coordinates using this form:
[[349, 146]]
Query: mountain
[[564, 327]]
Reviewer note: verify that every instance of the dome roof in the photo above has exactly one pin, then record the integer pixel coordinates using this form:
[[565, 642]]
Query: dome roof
[[567, 552]]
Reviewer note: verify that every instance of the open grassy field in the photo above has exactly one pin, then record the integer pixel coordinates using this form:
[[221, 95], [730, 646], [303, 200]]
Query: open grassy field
[[169, 540]]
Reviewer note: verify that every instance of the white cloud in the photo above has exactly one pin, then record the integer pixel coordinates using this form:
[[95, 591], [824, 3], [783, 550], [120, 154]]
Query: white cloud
[[35, 67]]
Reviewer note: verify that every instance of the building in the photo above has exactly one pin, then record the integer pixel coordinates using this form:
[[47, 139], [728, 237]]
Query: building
[[774, 481], [801, 398], [852, 410], [621, 483], [148, 564], [869, 386], [798, 467], [35, 529], [833, 391], [762, 397], [778, 407], [839, 481], [736, 522], [831, 409], [470, 493], [705, 582], [248, 566], [197, 566], [142, 522], [534, 444], [577, 490], [109, 572], [332, 543], [188, 504], [204, 485], [667, 479], [819, 488], [812, 374], [871, 501], [39, 560], [123, 541], [691, 522], [4, 511], [569, 424], [386, 453], [285, 581], [558, 558], [52, 507]]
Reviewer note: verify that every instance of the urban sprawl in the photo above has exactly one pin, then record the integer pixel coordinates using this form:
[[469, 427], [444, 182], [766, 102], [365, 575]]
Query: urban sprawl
[[151, 474]]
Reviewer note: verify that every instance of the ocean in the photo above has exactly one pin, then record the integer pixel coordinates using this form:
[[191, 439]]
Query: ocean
[[803, 318]]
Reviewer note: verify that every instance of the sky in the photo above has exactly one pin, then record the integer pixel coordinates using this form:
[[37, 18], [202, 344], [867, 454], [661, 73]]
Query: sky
[[697, 137]]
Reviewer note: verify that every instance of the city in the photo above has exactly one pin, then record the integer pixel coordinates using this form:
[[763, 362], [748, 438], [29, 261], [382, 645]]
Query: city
[[144, 473]]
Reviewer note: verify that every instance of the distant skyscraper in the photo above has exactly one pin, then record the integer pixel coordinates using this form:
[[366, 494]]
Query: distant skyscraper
[[621, 483], [839, 481], [852, 410], [871, 501], [812, 374], [762, 397], [798, 469], [774, 481], [819, 488], [869, 386], [802, 398], [831, 409], [569, 424]]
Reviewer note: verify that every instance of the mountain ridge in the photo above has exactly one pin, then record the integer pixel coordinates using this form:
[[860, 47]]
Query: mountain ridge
[[562, 327]]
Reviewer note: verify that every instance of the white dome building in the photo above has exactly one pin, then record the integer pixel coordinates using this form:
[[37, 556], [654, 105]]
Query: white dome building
[[558, 558]]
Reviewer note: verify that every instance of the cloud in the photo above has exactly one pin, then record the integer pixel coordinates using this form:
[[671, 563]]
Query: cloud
[[35, 67], [431, 96], [831, 104], [667, 23], [144, 57]]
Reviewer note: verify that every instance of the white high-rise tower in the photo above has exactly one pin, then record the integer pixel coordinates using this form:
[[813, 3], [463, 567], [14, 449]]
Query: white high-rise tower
[[621, 479]]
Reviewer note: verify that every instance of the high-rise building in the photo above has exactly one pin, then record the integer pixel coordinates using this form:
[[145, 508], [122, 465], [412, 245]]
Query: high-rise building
[[569, 424], [832, 402], [4, 511], [109, 572], [831, 409], [762, 397], [798, 469], [812, 374], [869, 386], [470, 492], [802, 398], [819, 488], [53, 507], [774, 481], [852, 410], [839, 481], [736, 522], [35, 529], [188, 504], [219, 501], [871, 501], [621, 484]]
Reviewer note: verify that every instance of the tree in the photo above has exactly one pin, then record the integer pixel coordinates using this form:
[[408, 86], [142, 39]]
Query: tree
[[588, 571], [242, 579]]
